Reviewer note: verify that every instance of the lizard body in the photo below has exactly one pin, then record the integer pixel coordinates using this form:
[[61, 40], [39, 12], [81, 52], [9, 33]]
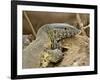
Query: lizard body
[[47, 42]]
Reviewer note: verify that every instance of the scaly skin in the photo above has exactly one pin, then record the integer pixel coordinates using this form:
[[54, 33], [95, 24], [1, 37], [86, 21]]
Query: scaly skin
[[47, 45]]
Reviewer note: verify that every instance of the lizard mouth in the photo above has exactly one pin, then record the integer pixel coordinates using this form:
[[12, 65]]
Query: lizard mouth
[[64, 49]]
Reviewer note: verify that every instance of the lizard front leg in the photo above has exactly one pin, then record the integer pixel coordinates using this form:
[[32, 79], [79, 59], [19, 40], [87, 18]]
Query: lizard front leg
[[49, 56]]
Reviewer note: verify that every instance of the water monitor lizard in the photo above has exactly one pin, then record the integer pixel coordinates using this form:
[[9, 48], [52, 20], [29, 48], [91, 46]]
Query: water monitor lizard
[[46, 47]]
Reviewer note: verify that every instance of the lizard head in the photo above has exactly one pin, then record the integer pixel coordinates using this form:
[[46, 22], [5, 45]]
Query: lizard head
[[63, 30], [70, 31]]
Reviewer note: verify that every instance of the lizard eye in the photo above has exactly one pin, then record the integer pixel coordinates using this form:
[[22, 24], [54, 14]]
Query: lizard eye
[[65, 28]]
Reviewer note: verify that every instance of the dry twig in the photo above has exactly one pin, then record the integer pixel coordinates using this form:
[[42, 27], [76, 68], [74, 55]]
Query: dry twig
[[30, 24], [80, 24], [86, 26]]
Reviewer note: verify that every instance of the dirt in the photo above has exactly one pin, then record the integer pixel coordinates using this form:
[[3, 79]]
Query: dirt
[[77, 53]]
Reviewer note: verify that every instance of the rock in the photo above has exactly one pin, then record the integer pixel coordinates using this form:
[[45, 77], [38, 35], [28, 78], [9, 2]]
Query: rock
[[26, 40]]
